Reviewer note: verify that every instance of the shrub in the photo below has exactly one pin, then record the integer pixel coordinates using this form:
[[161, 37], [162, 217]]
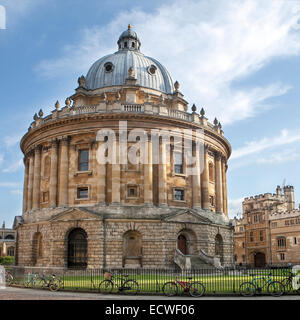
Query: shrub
[[7, 260]]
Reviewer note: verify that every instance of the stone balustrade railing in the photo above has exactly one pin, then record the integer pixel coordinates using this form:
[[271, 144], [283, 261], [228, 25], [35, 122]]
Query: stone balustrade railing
[[147, 108]]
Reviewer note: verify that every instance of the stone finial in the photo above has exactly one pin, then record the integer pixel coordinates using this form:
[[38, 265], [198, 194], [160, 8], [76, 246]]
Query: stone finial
[[216, 122], [35, 117], [202, 112], [176, 85], [131, 72], [161, 99], [68, 102], [57, 105], [41, 113], [219, 125], [81, 81], [194, 108], [3, 225]]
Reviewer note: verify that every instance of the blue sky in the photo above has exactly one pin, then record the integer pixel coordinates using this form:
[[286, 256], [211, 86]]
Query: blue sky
[[240, 60]]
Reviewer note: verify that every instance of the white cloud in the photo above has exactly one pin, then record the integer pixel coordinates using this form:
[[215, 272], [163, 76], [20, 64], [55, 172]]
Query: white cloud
[[206, 45], [252, 147], [17, 192], [13, 167], [280, 157], [10, 185], [11, 141], [235, 207]]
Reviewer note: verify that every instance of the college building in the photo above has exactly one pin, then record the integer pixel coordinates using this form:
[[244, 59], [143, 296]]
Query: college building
[[269, 231]]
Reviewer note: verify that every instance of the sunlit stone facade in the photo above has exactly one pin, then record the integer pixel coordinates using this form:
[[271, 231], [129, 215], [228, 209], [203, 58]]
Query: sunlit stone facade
[[78, 212]]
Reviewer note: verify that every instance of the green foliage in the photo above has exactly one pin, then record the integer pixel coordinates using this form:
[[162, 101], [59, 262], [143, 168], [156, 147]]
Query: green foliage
[[7, 260]]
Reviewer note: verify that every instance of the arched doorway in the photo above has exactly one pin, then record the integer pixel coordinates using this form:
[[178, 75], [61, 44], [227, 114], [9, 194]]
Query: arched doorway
[[259, 259], [219, 247], [132, 249], [77, 249], [182, 244]]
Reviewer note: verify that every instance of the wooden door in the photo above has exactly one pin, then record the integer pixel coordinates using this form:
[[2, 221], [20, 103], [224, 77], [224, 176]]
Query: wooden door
[[181, 244]]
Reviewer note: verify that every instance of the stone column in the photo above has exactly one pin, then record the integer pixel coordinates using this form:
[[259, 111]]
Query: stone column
[[218, 183], [205, 182], [148, 176], [53, 175], [25, 188], [196, 183], [162, 174], [30, 182], [36, 178], [64, 172], [101, 181], [225, 201], [116, 176]]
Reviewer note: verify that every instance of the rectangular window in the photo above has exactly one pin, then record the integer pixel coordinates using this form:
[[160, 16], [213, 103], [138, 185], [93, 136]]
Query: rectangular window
[[255, 218], [244, 258], [281, 242], [282, 256], [251, 237], [241, 229], [132, 191], [83, 193], [83, 162], [287, 222], [45, 196], [274, 224], [261, 236], [179, 194], [178, 162], [295, 240]]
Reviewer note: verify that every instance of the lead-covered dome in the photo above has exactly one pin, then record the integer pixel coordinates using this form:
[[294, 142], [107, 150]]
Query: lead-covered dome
[[112, 70]]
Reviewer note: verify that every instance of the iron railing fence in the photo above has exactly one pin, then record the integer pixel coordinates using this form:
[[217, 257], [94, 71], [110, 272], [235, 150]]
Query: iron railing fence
[[216, 282]]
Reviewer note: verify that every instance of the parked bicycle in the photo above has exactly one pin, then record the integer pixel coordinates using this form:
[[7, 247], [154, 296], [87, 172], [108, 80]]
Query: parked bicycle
[[9, 279], [249, 289], [30, 280], [127, 286], [288, 284], [52, 282], [194, 288]]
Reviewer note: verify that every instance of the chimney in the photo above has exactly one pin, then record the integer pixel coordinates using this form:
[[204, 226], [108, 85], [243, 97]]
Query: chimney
[[278, 191], [289, 197]]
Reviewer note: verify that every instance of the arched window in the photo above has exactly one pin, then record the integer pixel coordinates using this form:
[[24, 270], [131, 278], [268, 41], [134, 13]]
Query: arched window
[[47, 165], [9, 237], [37, 247], [77, 249], [281, 242], [211, 172], [219, 247]]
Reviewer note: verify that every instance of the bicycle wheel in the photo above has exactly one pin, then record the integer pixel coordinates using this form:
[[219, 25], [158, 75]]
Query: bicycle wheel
[[54, 285], [170, 289], [287, 285], [40, 283], [196, 289], [106, 286], [247, 289], [276, 288], [130, 287]]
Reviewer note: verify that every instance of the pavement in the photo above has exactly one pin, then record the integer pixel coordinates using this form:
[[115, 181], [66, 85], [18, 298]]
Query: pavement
[[15, 293]]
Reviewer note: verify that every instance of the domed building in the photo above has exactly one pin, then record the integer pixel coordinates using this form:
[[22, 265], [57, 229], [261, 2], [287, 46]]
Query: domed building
[[80, 211]]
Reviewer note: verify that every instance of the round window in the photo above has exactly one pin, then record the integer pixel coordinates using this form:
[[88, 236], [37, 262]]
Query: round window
[[152, 69], [108, 67]]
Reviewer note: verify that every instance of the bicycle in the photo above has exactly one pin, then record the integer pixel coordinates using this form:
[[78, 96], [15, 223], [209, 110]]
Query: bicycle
[[194, 288], [128, 286], [8, 278], [52, 282], [249, 289], [288, 283], [30, 280]]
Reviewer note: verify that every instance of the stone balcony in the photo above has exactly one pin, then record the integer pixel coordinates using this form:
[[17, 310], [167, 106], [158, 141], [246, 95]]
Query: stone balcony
[[118, 107]]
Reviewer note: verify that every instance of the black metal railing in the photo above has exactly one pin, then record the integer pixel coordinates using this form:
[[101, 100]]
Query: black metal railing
[[225, 281]]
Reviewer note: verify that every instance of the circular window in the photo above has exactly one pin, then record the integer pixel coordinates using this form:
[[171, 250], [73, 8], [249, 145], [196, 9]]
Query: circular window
[[152, 69], [108, 67]]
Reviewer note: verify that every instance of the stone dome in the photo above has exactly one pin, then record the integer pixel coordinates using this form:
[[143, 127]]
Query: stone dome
[[112, 70]]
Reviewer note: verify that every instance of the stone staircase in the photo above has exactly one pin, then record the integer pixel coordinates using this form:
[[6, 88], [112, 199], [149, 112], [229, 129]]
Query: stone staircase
[[196, 262]]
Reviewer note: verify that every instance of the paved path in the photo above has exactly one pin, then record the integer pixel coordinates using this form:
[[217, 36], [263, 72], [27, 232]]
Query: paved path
[[13, 293]]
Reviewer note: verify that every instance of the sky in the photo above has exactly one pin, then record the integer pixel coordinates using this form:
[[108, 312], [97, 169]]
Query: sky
[[239, 60]]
